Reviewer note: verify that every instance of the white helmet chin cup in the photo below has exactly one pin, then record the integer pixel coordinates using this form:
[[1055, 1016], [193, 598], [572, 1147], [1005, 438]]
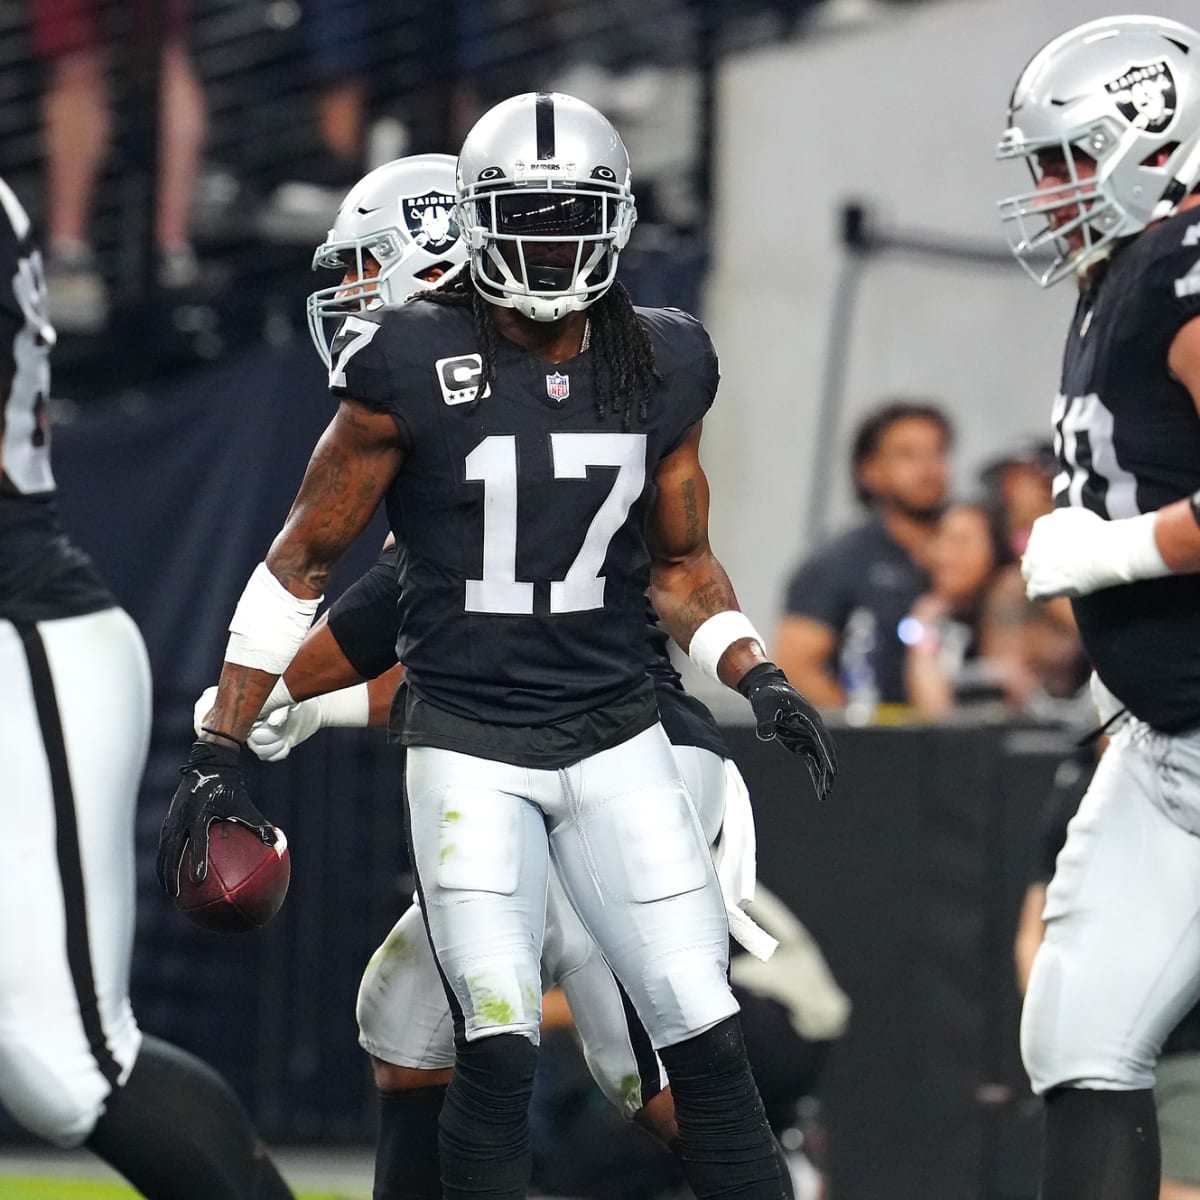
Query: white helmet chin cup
[[401, 215], [545, 204], [1119, 93]]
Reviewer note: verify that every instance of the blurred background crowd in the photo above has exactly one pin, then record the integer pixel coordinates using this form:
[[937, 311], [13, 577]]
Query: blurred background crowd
[[879, 451]]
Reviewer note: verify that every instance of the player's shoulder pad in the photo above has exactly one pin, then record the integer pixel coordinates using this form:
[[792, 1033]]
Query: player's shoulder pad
[[370, 347], [1170, 256], [677, 337]]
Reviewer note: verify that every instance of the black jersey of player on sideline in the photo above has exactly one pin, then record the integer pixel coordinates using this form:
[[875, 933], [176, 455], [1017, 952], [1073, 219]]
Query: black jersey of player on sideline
[[520, 514], [363, 623], [1128, 441], [42, 576]]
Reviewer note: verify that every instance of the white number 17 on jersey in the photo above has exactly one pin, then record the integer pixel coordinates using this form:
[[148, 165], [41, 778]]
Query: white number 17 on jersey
[[494, 464]]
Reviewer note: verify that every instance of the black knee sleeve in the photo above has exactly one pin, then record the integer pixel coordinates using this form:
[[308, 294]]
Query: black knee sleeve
[[176, 1131], [1100, 1145], [484, 1131], [406, 1150], [725, 1143]]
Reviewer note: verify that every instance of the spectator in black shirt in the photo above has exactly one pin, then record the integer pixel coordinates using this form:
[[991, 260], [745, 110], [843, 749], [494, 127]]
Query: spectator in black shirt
[[848, 599]]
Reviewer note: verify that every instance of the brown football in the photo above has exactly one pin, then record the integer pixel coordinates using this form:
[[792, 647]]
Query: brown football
[[245, 884]]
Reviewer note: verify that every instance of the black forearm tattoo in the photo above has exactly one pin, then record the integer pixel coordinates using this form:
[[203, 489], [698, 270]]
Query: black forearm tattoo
[[711, 596], [692, 508], [340, 492]]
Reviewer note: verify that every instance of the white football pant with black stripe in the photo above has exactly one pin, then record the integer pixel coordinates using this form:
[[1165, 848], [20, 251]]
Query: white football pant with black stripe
[[404, 1017], [74, 729], [1120, 962]]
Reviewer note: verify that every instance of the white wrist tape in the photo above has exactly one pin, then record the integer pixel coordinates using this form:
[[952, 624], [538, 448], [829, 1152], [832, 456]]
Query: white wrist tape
[[349, 708], [1133, 551], [268, 624], [715, 636]]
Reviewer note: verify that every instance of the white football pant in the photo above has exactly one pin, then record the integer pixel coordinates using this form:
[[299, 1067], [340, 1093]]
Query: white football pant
[[1120, 963], [74, 728], [404, 1016]]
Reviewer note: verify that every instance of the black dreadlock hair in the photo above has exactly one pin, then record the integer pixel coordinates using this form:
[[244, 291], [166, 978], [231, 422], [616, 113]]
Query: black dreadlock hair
[[623, 369]]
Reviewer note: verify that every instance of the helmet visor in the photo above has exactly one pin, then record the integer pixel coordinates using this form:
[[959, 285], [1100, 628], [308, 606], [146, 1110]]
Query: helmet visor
[[549, 214]]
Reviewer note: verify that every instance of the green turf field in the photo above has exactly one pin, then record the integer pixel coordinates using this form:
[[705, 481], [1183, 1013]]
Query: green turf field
[[65, 1189]]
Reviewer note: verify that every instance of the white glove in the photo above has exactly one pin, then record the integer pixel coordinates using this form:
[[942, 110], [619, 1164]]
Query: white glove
[[279, 697], [1074, 552], [272, 738], [203, 708]]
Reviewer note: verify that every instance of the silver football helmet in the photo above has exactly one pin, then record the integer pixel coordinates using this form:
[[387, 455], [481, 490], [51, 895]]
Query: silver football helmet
[[1124, 93], [545, 204], [400, 214]]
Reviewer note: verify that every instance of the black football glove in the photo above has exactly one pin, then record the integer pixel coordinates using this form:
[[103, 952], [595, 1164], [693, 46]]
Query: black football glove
[[785, 716], [212, 789]]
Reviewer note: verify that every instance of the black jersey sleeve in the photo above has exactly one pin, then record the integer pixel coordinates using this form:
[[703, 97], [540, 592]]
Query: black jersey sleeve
[[364, 618], [687, 363], [1173, 277], [359, 368]]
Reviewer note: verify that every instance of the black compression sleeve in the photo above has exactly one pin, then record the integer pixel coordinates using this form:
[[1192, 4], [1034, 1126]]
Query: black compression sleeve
[[363, 619]]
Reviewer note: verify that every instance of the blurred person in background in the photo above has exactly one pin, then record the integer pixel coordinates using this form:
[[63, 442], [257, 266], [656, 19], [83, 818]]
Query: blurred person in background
[[75, 1068], [947, 661], [974, 637], [847, 600], [1107, 117], [1020, 484], [337, 44], [1048, 665], [1177, 1087], [76, 39]]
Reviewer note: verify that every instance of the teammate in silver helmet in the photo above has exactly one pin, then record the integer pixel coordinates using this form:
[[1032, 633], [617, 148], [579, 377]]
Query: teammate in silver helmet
[[394, 234], [1108, 118]]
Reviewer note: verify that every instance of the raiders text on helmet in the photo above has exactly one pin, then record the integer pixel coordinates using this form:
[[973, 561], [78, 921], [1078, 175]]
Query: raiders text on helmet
[[1125, 93], [544, 203], [402, 215]]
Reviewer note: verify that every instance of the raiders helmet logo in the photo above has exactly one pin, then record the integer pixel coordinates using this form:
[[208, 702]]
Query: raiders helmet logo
[[1145, 96], [430, 220]]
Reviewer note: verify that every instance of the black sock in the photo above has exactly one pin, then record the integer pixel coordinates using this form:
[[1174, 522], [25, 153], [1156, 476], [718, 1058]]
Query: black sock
[[176, 1131], [725, 1143], [406, 1151], [1100, 1145], [484, 1130]]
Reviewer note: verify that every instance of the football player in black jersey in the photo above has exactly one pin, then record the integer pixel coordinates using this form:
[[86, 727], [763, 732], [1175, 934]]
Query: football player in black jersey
[[1108, 117], [74, 1066], [536, 441], [345, 673]]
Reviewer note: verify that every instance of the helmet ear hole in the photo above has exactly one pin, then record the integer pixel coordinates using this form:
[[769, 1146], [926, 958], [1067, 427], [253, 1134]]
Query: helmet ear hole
[[1161, 156]]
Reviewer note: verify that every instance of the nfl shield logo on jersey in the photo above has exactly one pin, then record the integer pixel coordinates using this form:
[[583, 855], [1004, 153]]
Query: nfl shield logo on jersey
[[558, 387]]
